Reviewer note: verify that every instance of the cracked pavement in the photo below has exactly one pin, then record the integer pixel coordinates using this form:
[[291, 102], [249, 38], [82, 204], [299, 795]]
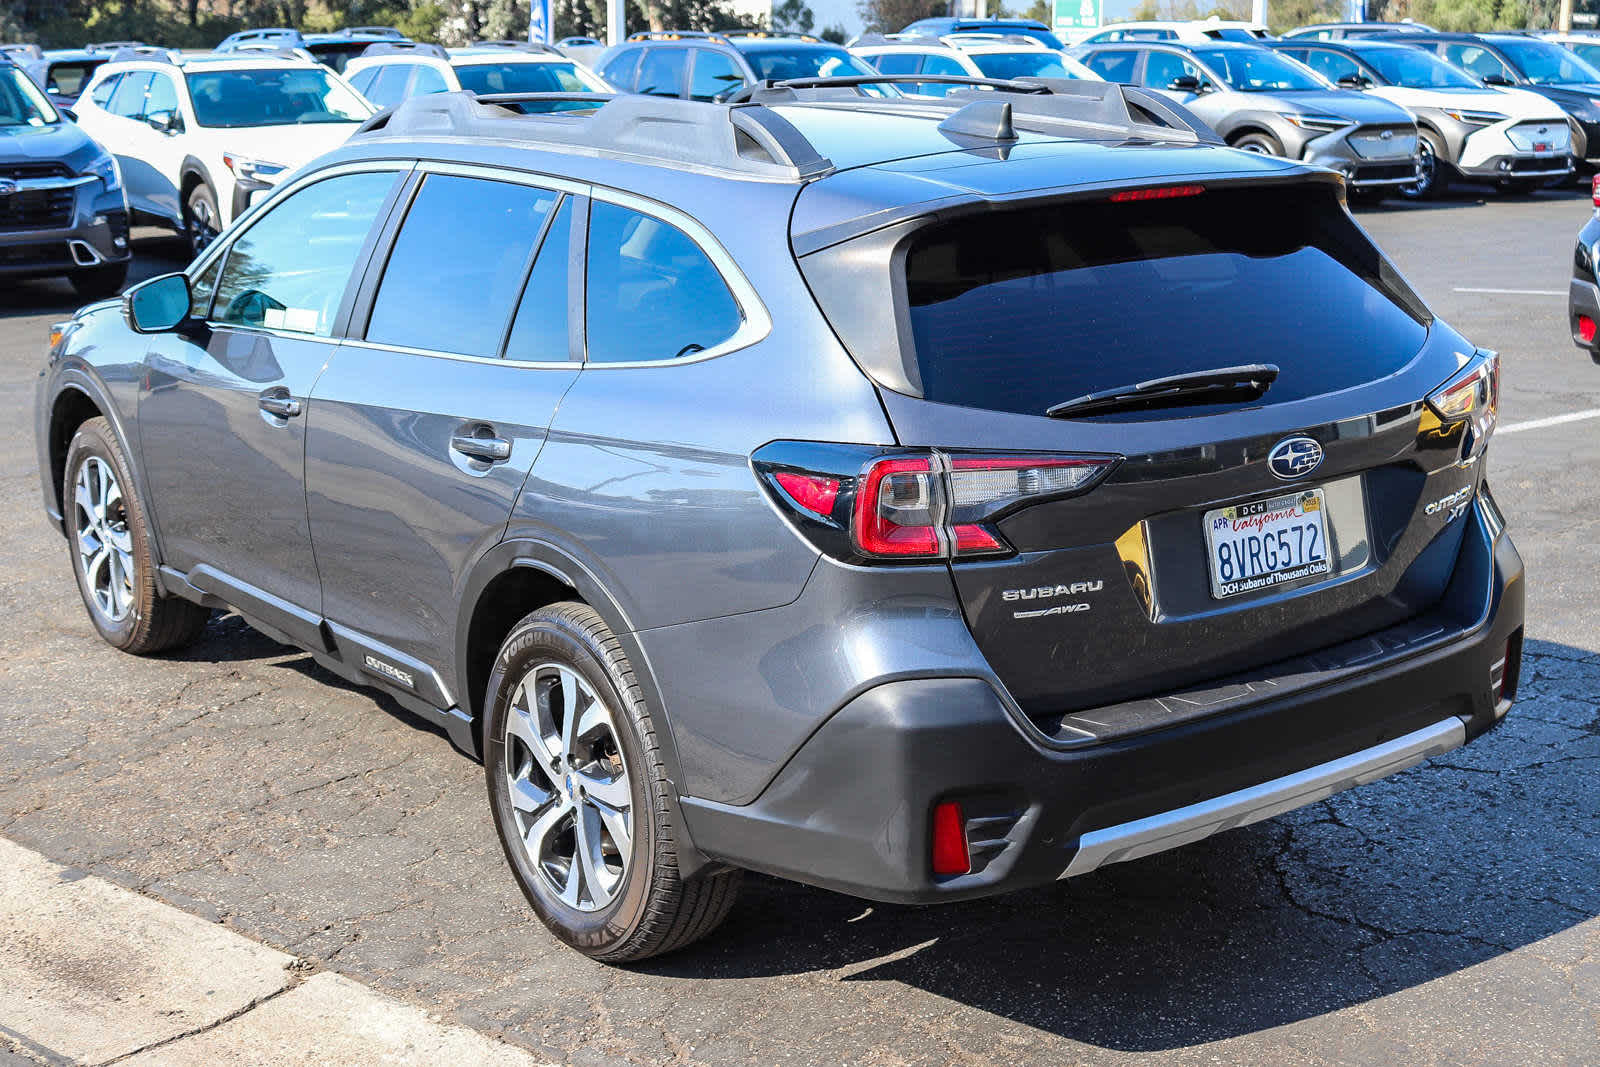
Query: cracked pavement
[[1446, 915]]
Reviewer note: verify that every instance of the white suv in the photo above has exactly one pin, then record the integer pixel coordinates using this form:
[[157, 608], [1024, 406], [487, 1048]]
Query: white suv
[[198, 139], [967, 55], [388, 73]]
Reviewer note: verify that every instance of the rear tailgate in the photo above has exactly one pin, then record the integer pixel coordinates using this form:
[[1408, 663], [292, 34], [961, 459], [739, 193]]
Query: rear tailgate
[[1118, 594]]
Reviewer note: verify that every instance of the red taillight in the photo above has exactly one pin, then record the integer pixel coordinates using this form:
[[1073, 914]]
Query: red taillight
[[950, 840], [898, 509], [1163, 192], [861, 506], [814, 492], [1594, 189], [1586, 329]]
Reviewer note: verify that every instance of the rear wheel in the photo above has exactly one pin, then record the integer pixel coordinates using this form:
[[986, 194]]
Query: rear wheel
[[111, 555], [580, 797], [97, 283], [1263, 144], [202, 220]]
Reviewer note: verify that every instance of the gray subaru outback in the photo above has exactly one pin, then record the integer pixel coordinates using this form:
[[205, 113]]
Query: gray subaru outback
[[919, 498]]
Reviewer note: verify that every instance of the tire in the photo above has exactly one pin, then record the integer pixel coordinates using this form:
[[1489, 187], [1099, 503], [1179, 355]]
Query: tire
[[202, 219], [97, 283], [630, 902], [1433, 169], [1261, 143], [116, 578]]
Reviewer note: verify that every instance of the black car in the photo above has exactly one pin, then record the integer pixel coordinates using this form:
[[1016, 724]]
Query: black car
[[1514, 60]]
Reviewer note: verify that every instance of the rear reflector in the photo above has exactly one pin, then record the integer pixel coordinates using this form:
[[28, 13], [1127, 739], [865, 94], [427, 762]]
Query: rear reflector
[[950, 840], [1594, 189], [1586, 329], [1164, 192], [814, 492]]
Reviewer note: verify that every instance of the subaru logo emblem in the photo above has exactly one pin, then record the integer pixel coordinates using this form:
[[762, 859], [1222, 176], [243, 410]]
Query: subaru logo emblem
[[1387, 135], [1294, 457], [7, 186]]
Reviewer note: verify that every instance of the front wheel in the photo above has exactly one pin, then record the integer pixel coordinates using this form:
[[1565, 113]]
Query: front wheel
[[202, 219], [580, 798], [111, 551], [1262, 144], [1432, 171]]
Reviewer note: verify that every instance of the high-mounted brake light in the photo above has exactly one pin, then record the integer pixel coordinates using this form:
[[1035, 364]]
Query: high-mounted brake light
[[1163, 192], [864, 505]]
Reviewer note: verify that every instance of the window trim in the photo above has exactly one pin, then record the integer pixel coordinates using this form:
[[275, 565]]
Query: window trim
[[257, 212]]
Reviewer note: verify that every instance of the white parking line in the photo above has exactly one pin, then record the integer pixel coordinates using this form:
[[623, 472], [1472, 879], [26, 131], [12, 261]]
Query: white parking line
[[1553, 420], [1515, 292]]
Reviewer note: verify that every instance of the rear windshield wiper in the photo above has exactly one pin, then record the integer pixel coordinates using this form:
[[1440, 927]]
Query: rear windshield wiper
[[1248, 382]]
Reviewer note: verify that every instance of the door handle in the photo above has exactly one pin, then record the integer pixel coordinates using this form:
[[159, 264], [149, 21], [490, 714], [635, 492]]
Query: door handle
[[487, 449], [278, 402]]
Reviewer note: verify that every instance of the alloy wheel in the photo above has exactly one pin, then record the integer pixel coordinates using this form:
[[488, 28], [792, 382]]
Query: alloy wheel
[[569, 786], [203, 223], [105, 546], [1427, 168]]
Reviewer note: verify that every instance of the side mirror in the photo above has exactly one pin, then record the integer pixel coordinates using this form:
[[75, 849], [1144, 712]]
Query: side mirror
[[159, 305], [1185, 83], [1497, 80], [165, 122], [1352, 81], [69, 114]]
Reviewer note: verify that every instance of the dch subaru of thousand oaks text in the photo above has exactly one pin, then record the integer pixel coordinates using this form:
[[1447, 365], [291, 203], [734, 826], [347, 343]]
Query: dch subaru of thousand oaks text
[[918, 497]]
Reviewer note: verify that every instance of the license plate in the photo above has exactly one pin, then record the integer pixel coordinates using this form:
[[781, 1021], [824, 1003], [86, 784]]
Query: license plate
[[1266, 543]]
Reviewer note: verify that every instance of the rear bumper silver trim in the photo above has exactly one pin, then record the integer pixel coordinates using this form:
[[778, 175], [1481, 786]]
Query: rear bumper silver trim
[[1181, 826]]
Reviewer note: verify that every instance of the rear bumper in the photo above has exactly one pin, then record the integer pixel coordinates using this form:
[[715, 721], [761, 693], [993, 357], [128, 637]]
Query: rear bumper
[[852, 810], [1583, 295]]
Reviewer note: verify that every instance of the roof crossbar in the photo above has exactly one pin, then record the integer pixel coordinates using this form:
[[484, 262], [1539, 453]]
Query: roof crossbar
[[519, 46], [400, 48], [747, 141]]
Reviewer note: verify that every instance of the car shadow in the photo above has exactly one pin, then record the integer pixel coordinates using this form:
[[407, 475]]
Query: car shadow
[[1463, 195], [1471, 856]]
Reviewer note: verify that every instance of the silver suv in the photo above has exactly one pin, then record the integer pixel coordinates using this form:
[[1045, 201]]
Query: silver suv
[[921, 498], [1261, 101]]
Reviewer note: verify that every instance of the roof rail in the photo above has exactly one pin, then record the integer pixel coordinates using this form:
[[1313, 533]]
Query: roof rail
[[745, 141], [22, 51], [519, 46], [878, 40], [983, 37], [678, 35], [267, 48], [410, 48], [784, 35], [1064, 105], [375, 31]]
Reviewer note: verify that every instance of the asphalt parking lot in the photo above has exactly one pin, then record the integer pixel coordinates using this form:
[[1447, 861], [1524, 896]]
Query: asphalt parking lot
[[1451, 914]]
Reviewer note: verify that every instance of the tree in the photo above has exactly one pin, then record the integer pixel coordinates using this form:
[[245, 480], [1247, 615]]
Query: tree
[[835, 34], [891, 16], [793, 16]]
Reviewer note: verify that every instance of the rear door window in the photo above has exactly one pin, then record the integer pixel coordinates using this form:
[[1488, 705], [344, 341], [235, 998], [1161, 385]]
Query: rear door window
[[1161, 69], [661, 72], [1113, 66], [653, 293], [1018, 311], [458, 264], [128, 100], [621, 69], [896, 62], [428, 81], [540, 333], [715, 76], [389, 88]]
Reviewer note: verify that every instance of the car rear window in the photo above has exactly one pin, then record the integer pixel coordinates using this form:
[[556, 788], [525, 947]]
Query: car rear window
[[1021, 310]]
